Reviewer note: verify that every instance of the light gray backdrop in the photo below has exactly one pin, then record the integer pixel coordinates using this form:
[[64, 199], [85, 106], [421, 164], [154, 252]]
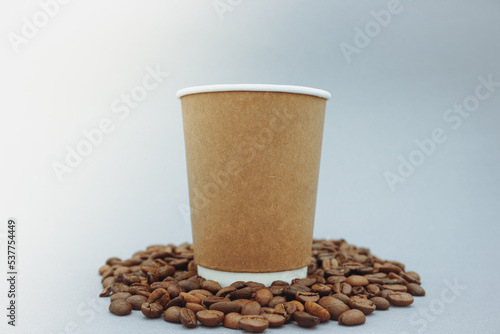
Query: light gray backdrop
[[410, 164]]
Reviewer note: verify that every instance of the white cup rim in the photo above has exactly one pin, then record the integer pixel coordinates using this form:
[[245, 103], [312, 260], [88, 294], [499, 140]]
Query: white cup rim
[[254, 88]]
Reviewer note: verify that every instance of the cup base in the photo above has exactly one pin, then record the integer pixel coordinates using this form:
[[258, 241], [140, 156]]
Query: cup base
[[226, 278]]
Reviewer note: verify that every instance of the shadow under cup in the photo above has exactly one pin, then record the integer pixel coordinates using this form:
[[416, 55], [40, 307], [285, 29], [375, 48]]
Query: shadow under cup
[[253, 155]]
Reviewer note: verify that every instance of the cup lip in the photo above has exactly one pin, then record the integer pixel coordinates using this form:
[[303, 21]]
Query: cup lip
[[254, 88]]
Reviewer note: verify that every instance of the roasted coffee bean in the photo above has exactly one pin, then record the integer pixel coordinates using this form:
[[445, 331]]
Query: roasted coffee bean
[[358, 290], [291, 290], [400, 298], [335, 279], [363, 304], [411, 277], [304, 281], [380, 303], [136, 301], [188, 318], [340, 271], [389, 267], [106, 291], [226, 307], [231, 320], [321, 289], [253, 324], [160, 296], [329, 263], [211, 286], [174, 290], [384, 293], [275, 320], [113, 260], [334, 306], [225, 291], [172, 314], [357, 280], [352, 318], [395, 287], [120, 295], [364, 270], [119, 287], [343, 298], [243, 293], [195, 307], [189, 285], [415, 289], [266, 309], [255, 285], [263, 297], [120, 307], [104, 268], [207, 301], [307, 296], [152, 311], [318, 311], [276, 300], [251, 308], [298, 305], [160, 285], [177, 301], [239, 285], [276, 290], [279, 283], [210, 318], [242, 302], [190, 298], [372, 290], [108, 281], [305, 319], [179, 264]]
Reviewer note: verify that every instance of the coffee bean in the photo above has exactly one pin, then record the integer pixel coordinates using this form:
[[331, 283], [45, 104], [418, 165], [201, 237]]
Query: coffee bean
[[329, 263], [174, 290], [253, 324], [298, 305], [275, 320], [136, 301], [225, 291], [255, 285], [211, 286], [305, 319], [120, 307], [318, 311], [372, 290], [307, 296], [263, 297], [321, 289], [343, 298], [334, 306], [340, 271], [231, 320], [160, 296], [189, 285], [363, 304], [389, 267], [277, 290], [226, 307], [384, 293], [120, 295], [172, 314], [357, 280], [304, 281], [207, 301], [251, 308], [152, 311], [113, 260], [380, 303], [188, 318], [279, 283], [395, 287], [243, 293], [177, 301], [415, 289], [210, 318], [276, 300], [411, 277], [352, 318], [400, 298], [195, 307]]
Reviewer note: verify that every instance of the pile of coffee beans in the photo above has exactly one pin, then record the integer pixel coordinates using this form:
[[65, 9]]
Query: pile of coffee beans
[[345, 283]]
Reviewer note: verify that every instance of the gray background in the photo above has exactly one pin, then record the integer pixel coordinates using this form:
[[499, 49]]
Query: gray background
[[131, 191]]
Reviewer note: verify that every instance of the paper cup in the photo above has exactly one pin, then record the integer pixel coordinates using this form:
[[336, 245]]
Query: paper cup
[[253, 155]]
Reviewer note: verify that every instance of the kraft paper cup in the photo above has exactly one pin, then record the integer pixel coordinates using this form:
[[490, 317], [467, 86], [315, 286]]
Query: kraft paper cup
[[253, 155]]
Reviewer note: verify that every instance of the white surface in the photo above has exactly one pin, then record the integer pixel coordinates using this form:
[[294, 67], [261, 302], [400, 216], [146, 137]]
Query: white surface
[[254, 88], [226, 278], [131, 191]]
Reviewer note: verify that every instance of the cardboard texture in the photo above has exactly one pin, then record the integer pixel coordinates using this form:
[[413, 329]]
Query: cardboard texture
[[253, 163]]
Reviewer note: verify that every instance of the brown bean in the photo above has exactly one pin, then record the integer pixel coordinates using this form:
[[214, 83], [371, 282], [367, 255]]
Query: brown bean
[[414, 290], [380, 303], [305, 319], [357, 280], [334, 306], [136, 301], [152, 311], [119, 295], [363, 304], [226, 307], [307, 296], [211, 286], [263, 297], [251, 308], [400, 298], [231, 320], [317, 310], [172, 314], [210, 318], [188, 318], [253, 324], [275, 320], [276, 300], [352, 318], [120, 307], [395, 287]]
